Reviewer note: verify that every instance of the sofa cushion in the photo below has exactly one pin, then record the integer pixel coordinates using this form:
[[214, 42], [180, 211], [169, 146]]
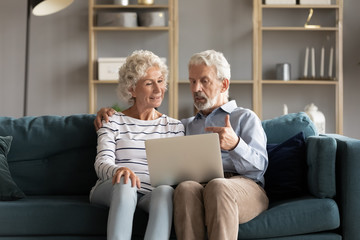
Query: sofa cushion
[[321, 161], [293, 217], [61, 216], [8, 188], [52, 215], [284, 127], [52, 154], [285, 176]]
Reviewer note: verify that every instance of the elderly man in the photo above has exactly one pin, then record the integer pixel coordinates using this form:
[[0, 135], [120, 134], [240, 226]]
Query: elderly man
[[222, 204], [218, 207]]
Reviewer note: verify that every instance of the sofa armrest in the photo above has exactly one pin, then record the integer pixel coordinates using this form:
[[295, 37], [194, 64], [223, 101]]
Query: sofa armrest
[[348, 185], [321, 158]]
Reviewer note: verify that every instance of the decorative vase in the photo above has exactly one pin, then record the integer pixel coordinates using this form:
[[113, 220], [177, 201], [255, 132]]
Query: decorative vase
[[121, 2], [146, 2], [316, 116], [283, 71]]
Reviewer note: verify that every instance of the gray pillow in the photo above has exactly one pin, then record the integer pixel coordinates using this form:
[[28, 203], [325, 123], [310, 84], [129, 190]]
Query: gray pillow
[[8, 188]]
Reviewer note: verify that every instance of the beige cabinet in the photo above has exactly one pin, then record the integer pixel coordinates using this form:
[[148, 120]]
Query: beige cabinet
[[95, 29], [313, 22]]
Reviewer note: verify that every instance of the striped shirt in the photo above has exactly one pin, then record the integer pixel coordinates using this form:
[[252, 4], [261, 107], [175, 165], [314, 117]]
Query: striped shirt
[[121, 143]]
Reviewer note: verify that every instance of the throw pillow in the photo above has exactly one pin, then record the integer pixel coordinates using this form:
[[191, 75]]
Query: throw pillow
[[284, 127], [8, 188], [286, 175]]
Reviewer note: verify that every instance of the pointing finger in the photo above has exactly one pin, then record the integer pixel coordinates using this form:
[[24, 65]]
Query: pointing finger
[[227, 121]]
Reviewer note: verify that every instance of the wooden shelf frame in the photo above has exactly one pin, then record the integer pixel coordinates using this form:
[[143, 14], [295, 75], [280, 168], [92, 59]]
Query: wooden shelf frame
[[114, 6], [300, 82], [298, 6], [257, 83], [258, 31], [172, 28], [131, 28], [232, 81], [335, 29]]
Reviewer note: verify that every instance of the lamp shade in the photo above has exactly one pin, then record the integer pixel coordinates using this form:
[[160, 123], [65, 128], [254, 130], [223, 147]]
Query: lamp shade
[[46, 7]]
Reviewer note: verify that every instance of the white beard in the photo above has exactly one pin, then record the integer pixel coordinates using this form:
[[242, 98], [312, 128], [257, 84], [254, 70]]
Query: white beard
[[209, 103]]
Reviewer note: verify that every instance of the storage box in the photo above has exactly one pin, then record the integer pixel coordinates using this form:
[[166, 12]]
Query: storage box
[[120, 19], [290, 2], [108, 68], [315, 2], [152, 19]]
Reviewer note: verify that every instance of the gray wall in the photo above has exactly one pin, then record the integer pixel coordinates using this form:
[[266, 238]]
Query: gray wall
[[12, 57], [59, 53]]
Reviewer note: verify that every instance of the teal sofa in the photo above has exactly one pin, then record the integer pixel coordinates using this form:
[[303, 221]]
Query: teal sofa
[[50, 159]]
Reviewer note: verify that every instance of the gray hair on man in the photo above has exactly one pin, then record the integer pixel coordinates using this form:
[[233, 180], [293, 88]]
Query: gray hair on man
[[134, 68], [212, 58]]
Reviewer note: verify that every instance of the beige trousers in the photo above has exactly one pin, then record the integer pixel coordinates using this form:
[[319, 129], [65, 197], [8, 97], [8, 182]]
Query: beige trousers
[[221, 206]]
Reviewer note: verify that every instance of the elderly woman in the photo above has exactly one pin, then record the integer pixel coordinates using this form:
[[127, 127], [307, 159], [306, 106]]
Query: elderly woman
[[121, 164]]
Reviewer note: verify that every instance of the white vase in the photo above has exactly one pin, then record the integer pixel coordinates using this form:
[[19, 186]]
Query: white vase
[[121, 2], [316, 116]]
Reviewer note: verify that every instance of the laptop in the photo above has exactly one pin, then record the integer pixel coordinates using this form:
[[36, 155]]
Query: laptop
[[177, 159]]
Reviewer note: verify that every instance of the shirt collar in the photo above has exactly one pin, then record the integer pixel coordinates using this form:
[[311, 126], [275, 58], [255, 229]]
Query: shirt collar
[[227, 107]]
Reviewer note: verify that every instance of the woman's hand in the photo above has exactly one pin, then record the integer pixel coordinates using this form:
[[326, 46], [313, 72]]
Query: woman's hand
[[127, 173], [103, 114]]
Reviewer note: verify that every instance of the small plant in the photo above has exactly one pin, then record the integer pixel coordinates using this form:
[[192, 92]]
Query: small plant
[[116, 107]]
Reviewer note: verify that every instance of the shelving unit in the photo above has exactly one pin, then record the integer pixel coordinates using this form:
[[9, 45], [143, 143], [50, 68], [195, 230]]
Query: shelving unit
[[260, 84], [258, 43], [171, 29]]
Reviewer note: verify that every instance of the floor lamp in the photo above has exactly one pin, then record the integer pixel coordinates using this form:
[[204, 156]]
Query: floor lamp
[[38, 8]]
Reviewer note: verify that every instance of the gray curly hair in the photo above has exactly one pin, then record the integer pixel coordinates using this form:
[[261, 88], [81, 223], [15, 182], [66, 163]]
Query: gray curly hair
[[135, 68]]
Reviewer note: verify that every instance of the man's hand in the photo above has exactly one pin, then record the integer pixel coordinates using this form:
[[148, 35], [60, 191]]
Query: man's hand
[[103, 114], [127, 173], [227, 135]]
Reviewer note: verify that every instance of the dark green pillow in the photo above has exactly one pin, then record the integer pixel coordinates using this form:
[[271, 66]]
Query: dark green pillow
[[8, 188]]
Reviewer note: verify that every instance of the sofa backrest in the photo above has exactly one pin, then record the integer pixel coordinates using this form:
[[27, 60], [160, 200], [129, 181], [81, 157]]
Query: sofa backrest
[[55, 154], [314, 168], [52, 154], [284, 127]]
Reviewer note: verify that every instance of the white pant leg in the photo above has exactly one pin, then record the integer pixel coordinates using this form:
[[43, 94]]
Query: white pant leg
[[160, 207], [122, 200]]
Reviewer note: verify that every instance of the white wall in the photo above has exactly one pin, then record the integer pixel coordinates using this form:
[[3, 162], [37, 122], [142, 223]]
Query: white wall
[[58, 71]]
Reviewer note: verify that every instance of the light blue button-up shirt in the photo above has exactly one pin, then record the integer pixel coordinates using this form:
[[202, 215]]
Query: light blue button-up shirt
[[249, 158]]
